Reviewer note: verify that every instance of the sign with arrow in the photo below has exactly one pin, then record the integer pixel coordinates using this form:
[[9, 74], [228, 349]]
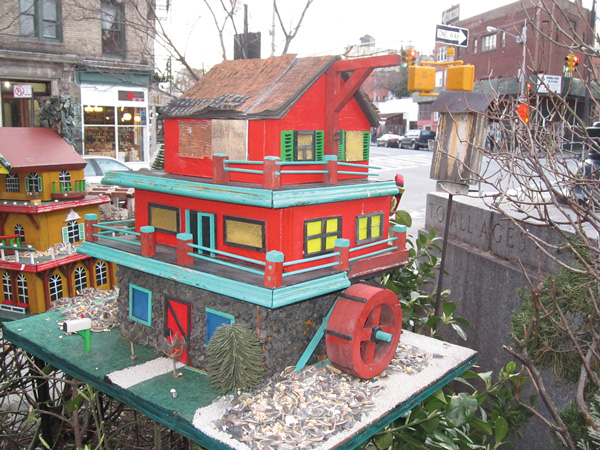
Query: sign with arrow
[[447, 34]]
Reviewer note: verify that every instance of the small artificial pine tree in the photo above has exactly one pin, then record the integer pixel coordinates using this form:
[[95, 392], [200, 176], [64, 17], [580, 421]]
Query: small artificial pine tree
[[235, 358]]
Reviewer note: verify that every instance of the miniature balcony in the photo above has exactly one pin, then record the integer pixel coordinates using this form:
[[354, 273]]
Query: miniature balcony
[[271, 173], [271, 282], [68, 189]]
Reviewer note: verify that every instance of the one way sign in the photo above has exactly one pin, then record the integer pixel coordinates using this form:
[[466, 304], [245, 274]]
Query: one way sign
[[452, 35]]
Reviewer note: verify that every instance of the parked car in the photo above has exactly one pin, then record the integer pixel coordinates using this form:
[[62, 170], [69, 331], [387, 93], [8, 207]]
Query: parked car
[[416, 138], [98, 166], [388, 140]]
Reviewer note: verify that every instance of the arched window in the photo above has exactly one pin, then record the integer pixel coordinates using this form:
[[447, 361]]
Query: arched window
[[20, 231], [23, 295], [101, 273], [55, 285], [12, 183], [73, 231], [34, 182], [7, 287], [80, 279]]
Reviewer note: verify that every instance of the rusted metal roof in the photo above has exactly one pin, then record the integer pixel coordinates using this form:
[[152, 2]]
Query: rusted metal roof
[[36, 149], [253, 88]]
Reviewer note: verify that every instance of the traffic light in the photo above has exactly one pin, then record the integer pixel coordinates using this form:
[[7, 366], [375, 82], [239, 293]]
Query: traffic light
[[411, 55], [571, 62], [523, 113]]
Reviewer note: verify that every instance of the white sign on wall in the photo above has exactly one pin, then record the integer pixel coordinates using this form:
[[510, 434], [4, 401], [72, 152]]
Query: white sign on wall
[[22, 91]]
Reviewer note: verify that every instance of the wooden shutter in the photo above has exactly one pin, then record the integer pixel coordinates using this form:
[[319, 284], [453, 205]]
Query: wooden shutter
[[287, 146], [342, 146], [366, 144], [319, 145]]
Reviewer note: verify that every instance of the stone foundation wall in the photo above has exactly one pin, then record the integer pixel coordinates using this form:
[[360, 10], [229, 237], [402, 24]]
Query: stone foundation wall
[[284, 332]]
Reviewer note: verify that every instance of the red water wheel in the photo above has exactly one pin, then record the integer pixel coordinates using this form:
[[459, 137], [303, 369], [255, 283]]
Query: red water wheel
[[363, 330]]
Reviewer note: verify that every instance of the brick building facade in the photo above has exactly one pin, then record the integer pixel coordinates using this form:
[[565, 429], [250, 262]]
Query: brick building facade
[[98, 52]]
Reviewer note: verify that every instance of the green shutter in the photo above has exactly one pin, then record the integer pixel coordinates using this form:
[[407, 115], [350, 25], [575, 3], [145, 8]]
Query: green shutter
[[81, 231], [27, 184], [366, 144], [65, 234], [319, 145], [40, 183], [342, 146], [287, 146]]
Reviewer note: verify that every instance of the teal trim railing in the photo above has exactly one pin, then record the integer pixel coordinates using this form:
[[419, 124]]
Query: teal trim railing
[[373, 244], [109, 231]]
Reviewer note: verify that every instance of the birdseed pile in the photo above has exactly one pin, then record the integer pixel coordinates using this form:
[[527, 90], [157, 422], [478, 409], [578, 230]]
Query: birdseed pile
[[299, 410], [95, 304]]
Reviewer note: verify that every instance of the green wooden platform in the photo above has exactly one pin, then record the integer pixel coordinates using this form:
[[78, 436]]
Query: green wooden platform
[[41, 336]]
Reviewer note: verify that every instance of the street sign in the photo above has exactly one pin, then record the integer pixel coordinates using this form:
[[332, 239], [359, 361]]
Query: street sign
[[549, 83], [447, 34], [451, 15], [22, 91]]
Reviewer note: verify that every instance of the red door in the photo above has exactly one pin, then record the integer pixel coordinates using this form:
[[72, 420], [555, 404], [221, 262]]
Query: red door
[[179, 325]]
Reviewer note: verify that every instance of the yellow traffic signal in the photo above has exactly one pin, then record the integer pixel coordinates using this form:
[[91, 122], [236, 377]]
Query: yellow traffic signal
[[571, 62], [460, 78], [421, 79]]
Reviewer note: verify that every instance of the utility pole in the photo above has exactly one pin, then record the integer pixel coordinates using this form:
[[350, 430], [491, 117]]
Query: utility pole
[[273, 31]]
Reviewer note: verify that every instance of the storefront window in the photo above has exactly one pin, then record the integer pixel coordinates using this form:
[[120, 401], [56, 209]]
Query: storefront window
[[115, 131], [20, 106]]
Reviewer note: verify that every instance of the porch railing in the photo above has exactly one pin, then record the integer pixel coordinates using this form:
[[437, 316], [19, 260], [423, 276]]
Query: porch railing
[[271, 169], [273, 269]]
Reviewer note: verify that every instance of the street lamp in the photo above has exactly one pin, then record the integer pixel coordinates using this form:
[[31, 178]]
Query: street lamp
[[521, 39]]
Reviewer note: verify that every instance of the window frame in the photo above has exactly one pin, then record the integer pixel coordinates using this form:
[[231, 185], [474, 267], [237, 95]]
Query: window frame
[[169, 208], [7, 287], [55, 287], [33, 182], [12, 183], [22, 290], [36, 12], [323, 235], [370, 237], [262, 224], [119, 20], [78, 278], [136, 288], [489, 42], [101, 273]]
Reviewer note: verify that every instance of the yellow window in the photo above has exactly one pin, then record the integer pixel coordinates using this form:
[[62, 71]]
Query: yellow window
[[313, 228], [314, 245], [332, 225], [376, 226], [362, 228]]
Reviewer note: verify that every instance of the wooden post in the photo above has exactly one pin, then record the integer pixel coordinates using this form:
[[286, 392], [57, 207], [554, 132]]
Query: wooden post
[[183, 239], [343, 247], [399, 231], [148, 239], [90, 221], [220, 175], [332, 176], [271, 173], [274, 269]]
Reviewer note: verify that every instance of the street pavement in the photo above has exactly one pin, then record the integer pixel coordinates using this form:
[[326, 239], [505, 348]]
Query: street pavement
[[414, 165]]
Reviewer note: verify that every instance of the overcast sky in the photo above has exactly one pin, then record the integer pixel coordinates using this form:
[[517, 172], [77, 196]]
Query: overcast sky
[[329, 25]]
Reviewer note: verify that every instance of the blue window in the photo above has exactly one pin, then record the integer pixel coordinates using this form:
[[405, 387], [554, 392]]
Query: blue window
[[215, 319], [140, 305]]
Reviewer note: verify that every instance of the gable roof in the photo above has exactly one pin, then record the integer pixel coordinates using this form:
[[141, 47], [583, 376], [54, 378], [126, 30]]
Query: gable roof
[[254, 89], [36, 149]]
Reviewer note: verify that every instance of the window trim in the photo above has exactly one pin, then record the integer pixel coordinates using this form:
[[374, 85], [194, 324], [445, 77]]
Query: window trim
[[323, 235], [148, 321], [22, 290], [37, 14], [487, 41], [55, 288], [119, 19], [369, 237], [167, 207], [101, 273], [12, 183], [262, 223], [214, 312], [77, 278]]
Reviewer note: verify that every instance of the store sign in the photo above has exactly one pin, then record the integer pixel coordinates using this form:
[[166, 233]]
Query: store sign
[[22, 91], [550, 83]]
